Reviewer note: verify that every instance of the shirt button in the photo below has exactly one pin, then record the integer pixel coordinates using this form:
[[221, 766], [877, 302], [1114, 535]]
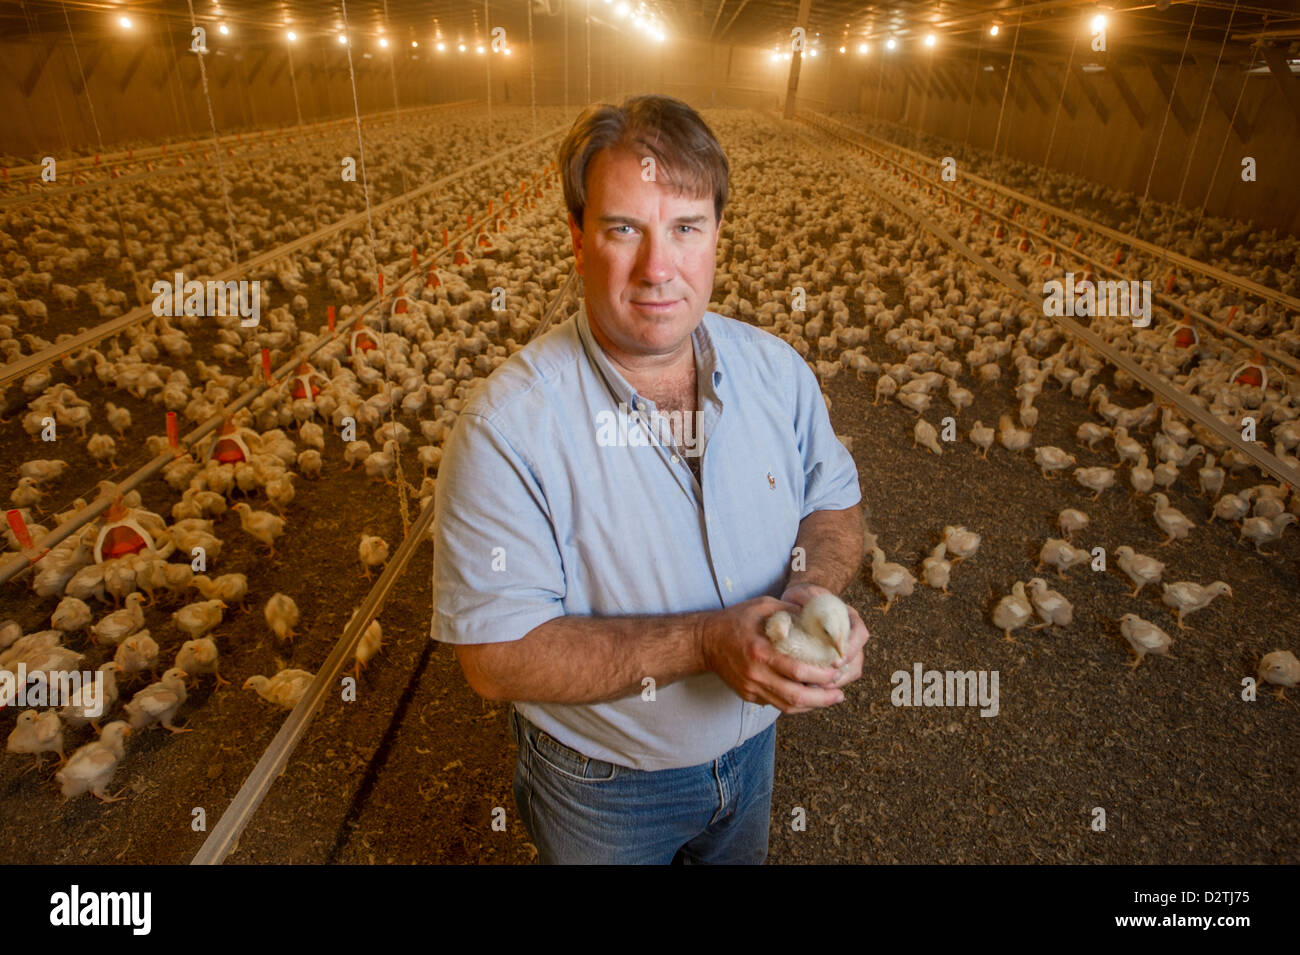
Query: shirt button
[[676, 459], [728, 583]]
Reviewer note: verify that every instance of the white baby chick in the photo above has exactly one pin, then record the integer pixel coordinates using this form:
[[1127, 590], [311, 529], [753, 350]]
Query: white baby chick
[[281, 616], [1053, 609], [196, 619], [75, 713], [894, 580], [1143, 637], [924, 434], [71, 615], [820, 636], [1263, 530], [284, 689], [136, 653], [1013, 611], [982, 437], [1070, 520], [158, 702], [1059, 554], [936, 569], [1173, 522], [961, 542], [1187, 597], [200, 657], [1051, 459], [1282, 669], [371, 641], [36, 734], [1141, 569], [91, 767], [119, 624], [1095, 479], [373, 552]]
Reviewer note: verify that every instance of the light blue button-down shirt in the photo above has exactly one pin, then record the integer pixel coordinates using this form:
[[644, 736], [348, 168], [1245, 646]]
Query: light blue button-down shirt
[[547, 505]]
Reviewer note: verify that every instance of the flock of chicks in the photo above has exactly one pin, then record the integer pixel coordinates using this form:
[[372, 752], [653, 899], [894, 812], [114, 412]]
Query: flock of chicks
[[1232, 245], [950, 323], [417, 363]]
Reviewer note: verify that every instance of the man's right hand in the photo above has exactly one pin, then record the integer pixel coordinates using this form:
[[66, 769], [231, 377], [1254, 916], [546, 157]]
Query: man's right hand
[[734, 646]]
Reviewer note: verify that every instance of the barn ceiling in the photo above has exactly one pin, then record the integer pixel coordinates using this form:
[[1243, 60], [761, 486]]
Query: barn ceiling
[[1038, 28]]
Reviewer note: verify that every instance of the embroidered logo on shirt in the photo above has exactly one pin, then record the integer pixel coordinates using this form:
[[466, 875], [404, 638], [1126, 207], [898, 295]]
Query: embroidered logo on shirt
[[771, 481]]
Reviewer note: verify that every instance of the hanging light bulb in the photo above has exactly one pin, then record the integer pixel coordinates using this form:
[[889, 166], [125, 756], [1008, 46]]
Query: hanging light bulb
[[890, 43], [862, 48], [223, 29], [993, 30], [929, 39], [292, 36], [125, 22], [383, 41]]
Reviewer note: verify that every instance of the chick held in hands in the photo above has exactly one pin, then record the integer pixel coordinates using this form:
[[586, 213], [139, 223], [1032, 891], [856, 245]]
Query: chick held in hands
[[819, 636]]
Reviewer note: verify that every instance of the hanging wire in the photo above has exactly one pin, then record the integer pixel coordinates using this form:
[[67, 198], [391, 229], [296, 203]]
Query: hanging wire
[[397, 106], [99, 140], [487, 25], [566, 57], [216, 147], [532, 74], [297, 110], [402, 503], [171, 86], [970, 113], [588, 51], [1227, 134], [1056, 118], [1006, 90], [1173, 92], [1205, 104], [58, 110]]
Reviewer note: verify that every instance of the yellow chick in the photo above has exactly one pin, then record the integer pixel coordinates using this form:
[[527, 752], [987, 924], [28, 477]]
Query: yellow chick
[[1013, 611], [284, 689], [261, 525], [373, 552], [894, 580], [136, 653], [200, 657], [281, 616], [228, 588], [158, 702], [92, 766], [120, 624], [1187, 597], [1144, 637], [371, 641], [1282, 669], [196, 619], [36, 734]]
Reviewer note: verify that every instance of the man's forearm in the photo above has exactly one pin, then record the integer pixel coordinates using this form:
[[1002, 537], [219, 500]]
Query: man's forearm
[[578, 659], [828, 549]]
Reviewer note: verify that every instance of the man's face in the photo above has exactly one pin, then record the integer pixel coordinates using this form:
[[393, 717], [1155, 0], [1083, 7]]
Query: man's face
[[646, 255]]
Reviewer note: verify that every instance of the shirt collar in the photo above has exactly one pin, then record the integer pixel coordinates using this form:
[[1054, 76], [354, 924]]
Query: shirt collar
[[708, 363]]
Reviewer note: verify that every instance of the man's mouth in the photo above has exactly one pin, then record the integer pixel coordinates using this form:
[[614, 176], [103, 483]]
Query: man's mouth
[[656, 306]]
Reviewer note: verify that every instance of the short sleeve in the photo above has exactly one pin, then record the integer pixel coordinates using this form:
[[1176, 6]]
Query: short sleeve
[[830, 473], [497, 572]]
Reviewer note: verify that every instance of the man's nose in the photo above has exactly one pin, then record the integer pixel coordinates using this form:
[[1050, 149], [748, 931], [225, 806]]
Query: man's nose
[[656, 262]]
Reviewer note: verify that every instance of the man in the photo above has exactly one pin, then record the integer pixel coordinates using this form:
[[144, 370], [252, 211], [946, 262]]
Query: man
[[610, 575]]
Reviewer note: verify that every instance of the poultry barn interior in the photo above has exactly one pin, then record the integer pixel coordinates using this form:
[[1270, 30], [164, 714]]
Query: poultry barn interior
[[1086, 502]]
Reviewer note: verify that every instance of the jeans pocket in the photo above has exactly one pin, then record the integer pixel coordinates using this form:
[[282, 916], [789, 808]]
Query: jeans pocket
[[563, 760]]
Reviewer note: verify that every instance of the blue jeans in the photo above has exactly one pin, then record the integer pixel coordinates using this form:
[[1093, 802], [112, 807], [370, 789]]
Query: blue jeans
[[580, 810]]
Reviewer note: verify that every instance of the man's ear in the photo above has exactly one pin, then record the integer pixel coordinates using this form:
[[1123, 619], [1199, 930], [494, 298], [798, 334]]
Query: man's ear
[[575, 231]]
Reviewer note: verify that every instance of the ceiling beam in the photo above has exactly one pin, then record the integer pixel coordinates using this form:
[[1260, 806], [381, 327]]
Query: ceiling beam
[[1170, 92], [1090, 94], [131, 69], [1227, 103], [1027, 79], [34, 74], [1281, 73], [1126, 94]]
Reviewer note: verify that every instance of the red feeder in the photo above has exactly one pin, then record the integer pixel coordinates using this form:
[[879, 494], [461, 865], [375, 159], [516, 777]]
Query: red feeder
[[431, 279], [1119, 254], [1024, 245], [999, 231], [1049, 260], [1185, 335], [229, 448], [1232, 313], [460, 258], [1252, 373], [484, 241], [174, 434], [331, 317], [120, 535], [399, 305], [1169, 285], [19, 527], [305, 383], [266, 364], [361, 341]]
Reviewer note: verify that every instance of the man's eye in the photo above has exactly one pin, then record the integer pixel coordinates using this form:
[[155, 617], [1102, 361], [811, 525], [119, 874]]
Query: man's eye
[[624, 226], [689, 228]]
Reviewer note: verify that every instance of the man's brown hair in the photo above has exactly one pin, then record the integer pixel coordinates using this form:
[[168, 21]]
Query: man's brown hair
[[686, 153]]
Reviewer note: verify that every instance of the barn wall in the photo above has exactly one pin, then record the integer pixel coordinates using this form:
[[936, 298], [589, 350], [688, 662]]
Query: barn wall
[[1118, 149]]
